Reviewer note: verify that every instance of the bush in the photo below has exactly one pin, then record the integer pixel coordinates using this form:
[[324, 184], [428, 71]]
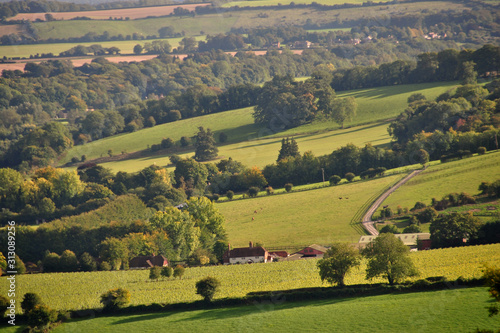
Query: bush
[[215, 197], [253, 191], [481, 150], [418, 205], [185, 141], [41, 316], [349, 176], [104, 266], [230, 195], [87, 263], [154, 273], [334, 180], [83, 158], [167, 272], [207, 288], [179, 271], [288, 187], [115, 298], [412, 229], [390, 228], [75, 159], [174, 159], [30, 301], [167, 143], [269, 190], [222, 137]]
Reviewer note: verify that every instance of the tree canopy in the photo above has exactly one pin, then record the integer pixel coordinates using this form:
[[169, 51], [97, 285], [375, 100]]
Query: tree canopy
[[337, 262]]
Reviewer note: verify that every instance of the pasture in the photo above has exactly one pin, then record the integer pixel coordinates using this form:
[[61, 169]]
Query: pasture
[[443, 178], [126, 47], [298, 219], [255, 3], [82, 290], [223, 22], [122, 13], [455, 310], [254, 145]]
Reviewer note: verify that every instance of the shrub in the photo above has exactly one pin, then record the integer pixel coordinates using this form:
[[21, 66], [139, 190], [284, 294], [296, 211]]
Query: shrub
[[104, 266], [167, 143], [230, 195], [87, 263], [83, 158], [418, 205], [222, 137], [390, 228], [207, 288], [174, 159], [288, 187], [185, 141], [269, 190], [253, 191], [412, 229], [30, 300], [154, 273], [386, 212], [75, 159], [481, 150], [167, 271], [41, 316], [427, 215], [115, 298], [179, 271], [334, 180], [215, 197], [349, 176]]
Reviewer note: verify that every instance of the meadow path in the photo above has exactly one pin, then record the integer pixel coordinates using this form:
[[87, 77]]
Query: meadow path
[[367, 218]]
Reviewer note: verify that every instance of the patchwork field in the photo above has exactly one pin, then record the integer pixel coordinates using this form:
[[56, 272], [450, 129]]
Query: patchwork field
[[82, 290], [441, 179], [457, 310], [131, 13], [373, 104], [254, 3]]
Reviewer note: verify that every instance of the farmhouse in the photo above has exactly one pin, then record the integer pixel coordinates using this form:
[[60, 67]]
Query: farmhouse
[[148, 262], [415, 241], [246, 255]]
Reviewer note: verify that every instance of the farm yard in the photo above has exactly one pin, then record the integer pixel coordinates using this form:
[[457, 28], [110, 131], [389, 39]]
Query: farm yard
[[82, 290]]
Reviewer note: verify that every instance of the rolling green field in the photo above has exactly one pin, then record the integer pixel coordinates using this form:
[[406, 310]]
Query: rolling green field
[[82, 290], [299, 219], [456, 310], [125, 46], [223, 22], [441, 179], [373, 104]]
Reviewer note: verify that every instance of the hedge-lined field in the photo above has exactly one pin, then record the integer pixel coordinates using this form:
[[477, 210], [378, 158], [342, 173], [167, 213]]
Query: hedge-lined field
[[82, 290]]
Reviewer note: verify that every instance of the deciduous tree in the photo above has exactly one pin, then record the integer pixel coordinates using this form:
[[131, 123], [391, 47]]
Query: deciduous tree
[[337, 262]]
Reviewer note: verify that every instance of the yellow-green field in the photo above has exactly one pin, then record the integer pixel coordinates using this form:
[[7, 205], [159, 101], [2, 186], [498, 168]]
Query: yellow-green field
[[444, 178], [254, 145], [255, 3], [125, 46], [82, 290], [299, 219]]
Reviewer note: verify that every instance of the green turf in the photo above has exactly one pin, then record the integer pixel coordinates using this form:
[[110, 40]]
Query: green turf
[[376, 103], [444, 178], [301, 218], [125, 46], [456, 310]]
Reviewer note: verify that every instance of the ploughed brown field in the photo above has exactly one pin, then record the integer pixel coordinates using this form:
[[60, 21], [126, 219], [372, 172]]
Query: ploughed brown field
[[81, 61], [132, 13]]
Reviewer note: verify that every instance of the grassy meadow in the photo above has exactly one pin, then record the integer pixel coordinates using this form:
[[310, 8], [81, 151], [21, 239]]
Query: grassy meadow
[[126, 47], [298, 219], [224, 21], [443, 178], [254, 145], [82, 290], [456, 310]]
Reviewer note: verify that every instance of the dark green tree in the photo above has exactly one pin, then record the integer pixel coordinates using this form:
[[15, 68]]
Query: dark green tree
[[30, 301], [289, 148], [167, 271], [138, 49], [337, 262], [154, 273], [205, 146], [388, 257], [454, 229], [179, 271], [207, 288], [115, 298], [41, 317]]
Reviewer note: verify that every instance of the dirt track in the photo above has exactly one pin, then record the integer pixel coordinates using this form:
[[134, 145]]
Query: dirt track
[[367, 218]]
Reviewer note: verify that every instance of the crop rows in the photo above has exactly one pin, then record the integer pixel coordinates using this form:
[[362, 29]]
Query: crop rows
[[82, 290]]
